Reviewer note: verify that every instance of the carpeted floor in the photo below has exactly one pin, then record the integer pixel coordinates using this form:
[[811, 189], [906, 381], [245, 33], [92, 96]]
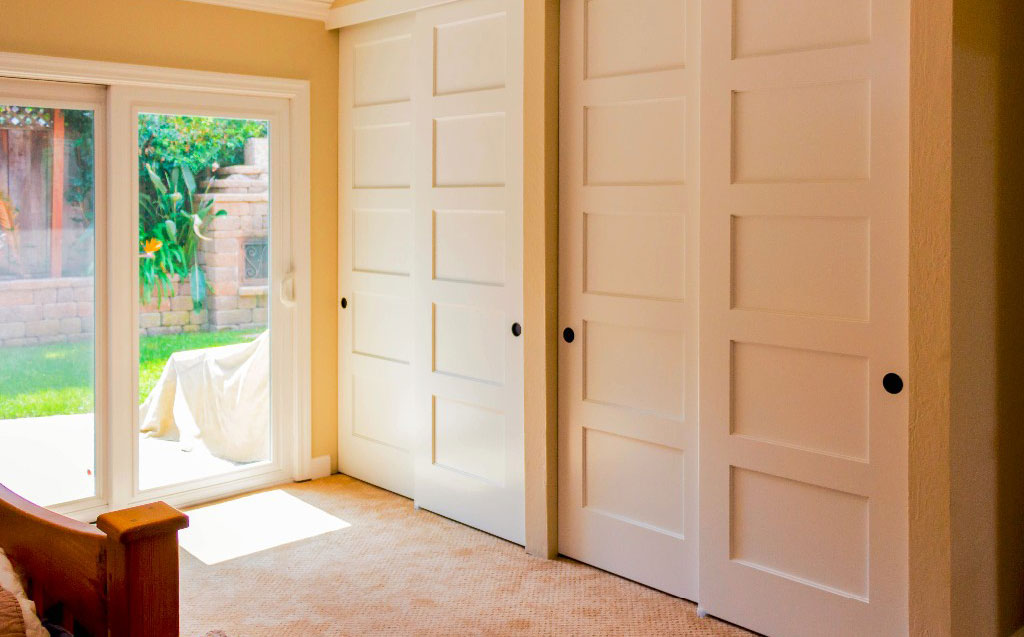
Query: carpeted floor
[[398, 571]]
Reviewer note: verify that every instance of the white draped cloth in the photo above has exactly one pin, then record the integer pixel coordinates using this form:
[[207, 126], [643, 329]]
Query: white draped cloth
[[219, 396]]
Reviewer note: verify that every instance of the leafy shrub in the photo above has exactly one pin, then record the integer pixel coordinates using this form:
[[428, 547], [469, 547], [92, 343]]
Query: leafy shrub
[[171, 221], [196, 142]]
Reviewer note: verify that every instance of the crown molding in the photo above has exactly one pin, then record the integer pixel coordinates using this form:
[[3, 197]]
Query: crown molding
[[308, 9], [368, 10]]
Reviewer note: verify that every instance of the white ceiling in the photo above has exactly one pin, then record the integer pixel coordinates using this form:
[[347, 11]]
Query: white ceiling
[[311, 9]]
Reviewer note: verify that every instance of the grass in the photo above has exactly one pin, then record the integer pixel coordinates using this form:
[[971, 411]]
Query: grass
[[55, 379]]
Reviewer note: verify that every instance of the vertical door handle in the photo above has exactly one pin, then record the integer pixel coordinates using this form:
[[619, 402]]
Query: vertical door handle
[[288, 290]]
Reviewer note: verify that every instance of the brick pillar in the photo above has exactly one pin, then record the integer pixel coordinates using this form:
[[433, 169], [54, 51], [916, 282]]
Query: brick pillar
[[235, 302]]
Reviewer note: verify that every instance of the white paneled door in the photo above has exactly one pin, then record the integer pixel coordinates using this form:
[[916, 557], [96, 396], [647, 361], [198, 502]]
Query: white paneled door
[[734, 202], [804, 213], [468, 236], [628, 226], [375, 250], [431, 380]]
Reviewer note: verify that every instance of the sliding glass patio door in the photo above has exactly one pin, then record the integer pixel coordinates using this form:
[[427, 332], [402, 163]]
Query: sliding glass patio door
[[147, 311], [208, 312], [52, 291]]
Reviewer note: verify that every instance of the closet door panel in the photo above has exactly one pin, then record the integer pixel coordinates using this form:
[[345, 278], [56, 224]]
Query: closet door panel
[[468, 264], [804, 213], [376, 337], [628, 286]]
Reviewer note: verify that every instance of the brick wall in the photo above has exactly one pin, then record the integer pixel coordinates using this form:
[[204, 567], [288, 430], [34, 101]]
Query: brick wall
[[45, 310], [238, 299], [234, 300]]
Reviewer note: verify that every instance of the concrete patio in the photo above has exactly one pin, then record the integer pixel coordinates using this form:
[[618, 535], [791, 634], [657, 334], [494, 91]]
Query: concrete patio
[[50, 460]]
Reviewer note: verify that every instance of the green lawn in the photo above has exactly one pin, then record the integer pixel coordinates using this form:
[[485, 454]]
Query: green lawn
[[48, 380]]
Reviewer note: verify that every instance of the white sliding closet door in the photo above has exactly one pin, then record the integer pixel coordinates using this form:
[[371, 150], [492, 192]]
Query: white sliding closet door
[[431, 361], [803, 505], [468, 264], [628, 292], [376, 246]]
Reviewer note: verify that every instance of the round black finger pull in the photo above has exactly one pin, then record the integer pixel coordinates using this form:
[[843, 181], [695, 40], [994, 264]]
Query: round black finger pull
[[892, 383], [568, 335], [344, 303], [517, 329]]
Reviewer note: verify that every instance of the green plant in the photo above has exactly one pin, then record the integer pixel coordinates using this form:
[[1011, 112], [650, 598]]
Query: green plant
[[171, 221], [80, 139], [196, 142]]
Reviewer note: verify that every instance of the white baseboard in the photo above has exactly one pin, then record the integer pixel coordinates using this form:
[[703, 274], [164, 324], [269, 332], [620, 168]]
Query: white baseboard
[[320, 467]]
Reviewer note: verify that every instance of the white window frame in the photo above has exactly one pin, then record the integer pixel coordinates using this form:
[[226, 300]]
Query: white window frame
[[289, 100]]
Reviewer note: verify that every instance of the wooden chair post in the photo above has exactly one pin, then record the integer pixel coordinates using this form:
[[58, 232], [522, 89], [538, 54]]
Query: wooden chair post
[[143, 541]]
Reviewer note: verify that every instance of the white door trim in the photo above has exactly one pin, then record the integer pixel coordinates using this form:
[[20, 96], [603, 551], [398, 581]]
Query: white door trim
[[114, 74]]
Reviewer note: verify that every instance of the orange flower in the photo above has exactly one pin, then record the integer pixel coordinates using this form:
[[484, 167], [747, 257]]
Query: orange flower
[[152, 245], [6, 216]]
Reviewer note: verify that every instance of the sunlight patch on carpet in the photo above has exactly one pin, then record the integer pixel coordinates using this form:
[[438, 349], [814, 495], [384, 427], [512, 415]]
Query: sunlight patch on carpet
[[254, 523]]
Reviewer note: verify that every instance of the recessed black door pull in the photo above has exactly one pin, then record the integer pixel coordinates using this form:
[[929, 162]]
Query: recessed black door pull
[[344, 303], [517, 329], [568, 335], [892, 383]]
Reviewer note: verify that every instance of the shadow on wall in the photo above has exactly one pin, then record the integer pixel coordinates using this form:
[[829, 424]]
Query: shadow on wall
[[1010, 317]]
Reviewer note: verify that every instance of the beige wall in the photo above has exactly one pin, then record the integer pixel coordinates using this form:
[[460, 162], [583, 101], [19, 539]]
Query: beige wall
[[188, 35], [930, 188], [540, 274], [987, 373], [967, 312], [1009, 220]]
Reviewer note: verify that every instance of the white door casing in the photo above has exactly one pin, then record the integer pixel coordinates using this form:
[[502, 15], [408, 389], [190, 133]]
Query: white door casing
[[629, 242], [376, 197], [804, 226], [468, 269]]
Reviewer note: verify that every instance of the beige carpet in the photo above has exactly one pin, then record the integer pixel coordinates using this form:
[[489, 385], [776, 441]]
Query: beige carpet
[[398, 571]]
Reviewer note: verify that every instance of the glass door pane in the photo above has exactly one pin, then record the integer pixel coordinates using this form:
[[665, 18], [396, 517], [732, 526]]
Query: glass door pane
[[47, 292], [204, 339]]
